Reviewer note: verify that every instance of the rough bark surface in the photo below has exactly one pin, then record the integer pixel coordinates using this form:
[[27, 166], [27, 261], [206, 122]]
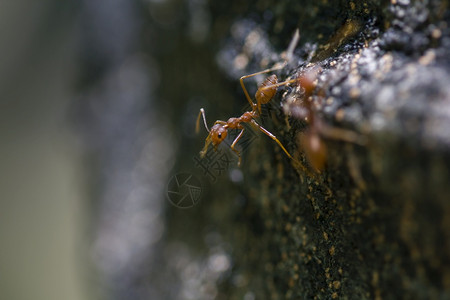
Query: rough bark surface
[[374, 223]]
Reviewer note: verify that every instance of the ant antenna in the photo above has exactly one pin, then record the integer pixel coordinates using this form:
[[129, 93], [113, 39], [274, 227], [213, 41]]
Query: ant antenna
[[197, 125], [290, 50]]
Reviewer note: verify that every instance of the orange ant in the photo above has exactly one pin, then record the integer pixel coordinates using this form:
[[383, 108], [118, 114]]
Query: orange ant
[[263, 95]]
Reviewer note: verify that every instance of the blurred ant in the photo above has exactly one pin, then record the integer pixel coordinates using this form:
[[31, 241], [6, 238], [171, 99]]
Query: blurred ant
[[263, 95], [312, 144], [310, 140]]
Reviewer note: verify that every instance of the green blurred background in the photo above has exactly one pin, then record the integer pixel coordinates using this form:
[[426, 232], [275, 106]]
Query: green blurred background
[[42, 196]]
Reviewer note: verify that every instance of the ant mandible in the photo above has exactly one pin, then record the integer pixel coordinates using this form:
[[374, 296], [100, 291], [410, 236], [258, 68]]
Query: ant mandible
[[263, 95]]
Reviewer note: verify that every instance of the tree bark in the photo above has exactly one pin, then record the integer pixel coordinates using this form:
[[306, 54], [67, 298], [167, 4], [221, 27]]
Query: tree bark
[[374, 221]]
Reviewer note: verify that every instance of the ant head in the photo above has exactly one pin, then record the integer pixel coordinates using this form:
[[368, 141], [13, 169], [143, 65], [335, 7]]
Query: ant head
[[218, 134]]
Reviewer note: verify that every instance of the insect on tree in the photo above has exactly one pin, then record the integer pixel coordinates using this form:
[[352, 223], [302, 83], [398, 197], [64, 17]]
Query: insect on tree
[[311, 140], [266, 91]]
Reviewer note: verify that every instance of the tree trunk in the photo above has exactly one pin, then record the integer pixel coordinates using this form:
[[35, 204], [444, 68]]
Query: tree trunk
[[374, 220]]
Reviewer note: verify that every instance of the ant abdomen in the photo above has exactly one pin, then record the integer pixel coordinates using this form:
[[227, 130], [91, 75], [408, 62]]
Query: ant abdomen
[[315, 149], [264, 95]]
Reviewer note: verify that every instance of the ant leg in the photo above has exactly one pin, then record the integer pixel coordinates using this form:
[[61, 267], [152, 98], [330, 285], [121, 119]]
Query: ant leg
[[234, 144], [278, 84], [342, 134], [197, 125], [265, 131], [277, 66], [305, 81], [268, 133]]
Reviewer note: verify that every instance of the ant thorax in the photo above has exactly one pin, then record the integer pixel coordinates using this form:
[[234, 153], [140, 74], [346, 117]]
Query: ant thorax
[[233, 123]]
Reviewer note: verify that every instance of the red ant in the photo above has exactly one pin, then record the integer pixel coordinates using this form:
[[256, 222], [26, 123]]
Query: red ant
[[263, 95], [311, 140]]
